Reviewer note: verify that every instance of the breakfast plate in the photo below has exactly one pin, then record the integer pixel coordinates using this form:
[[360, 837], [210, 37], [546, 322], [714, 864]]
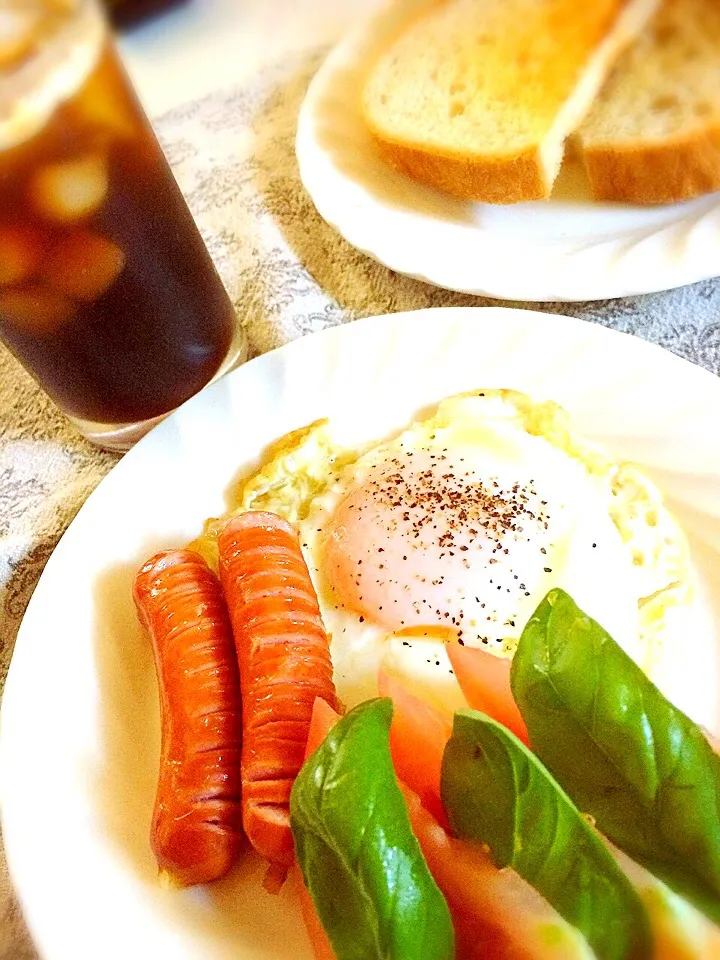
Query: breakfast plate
[[566, 249], [79, 738]]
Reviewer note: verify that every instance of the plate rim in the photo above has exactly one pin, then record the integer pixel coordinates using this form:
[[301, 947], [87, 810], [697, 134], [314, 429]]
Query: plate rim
[[431, 271]]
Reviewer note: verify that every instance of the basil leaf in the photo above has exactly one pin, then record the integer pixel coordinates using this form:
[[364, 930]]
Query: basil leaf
[[496, 792], [362, 865], [622, 751]]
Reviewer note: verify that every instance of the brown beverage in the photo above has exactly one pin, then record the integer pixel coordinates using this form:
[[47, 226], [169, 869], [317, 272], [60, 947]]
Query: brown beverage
[[107, 293]]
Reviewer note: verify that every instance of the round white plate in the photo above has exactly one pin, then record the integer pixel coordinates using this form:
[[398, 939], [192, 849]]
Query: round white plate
[[568, 248], [79, 735]]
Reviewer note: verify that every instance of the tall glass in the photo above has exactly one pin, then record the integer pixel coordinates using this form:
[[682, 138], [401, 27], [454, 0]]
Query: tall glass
[[108, 295]]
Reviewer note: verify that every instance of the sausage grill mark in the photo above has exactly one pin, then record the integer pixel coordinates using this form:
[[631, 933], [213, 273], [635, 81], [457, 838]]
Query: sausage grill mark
[[196, 827], [284, 661]]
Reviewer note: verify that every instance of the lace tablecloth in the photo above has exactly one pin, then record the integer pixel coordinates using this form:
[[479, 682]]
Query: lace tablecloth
[[289, 275]]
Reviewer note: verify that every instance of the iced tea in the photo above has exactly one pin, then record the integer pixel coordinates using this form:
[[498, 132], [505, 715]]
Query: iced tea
[[107, 293]]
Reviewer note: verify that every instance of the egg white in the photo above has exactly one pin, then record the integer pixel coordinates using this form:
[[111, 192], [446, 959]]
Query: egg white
[[584, 554], [636, 580]]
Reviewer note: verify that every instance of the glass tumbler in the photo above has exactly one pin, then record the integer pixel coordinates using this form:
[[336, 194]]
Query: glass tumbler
[[108, 296]]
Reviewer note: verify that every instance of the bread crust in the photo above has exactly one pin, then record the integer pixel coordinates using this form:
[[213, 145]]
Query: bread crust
[[518, 178], [654, 173], [498, 168]]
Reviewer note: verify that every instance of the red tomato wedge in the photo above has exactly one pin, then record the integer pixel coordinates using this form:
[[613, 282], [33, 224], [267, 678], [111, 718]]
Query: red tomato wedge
[[485, 681], [496, 914], [418, 736], [315, 931], [321, 723]]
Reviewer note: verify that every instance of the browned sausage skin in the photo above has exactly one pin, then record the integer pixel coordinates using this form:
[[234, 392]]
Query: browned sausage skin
[[284, 659], [196, 827]]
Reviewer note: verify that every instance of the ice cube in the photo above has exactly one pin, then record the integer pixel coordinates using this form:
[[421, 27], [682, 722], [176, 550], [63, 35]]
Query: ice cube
[[83, 265], [71, 191], [36, 309], [20, 250]]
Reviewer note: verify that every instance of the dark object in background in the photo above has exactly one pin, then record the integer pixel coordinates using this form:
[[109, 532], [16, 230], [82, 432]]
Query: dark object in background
[[125, 13]]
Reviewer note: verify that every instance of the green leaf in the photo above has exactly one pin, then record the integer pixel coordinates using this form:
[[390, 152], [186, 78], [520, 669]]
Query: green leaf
[[622, 751], [361, 862], [496, 792]]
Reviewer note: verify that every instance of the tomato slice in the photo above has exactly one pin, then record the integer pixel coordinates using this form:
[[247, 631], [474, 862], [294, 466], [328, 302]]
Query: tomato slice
[[315, 930], [485, 681], [418, 736], [496, 914], [322, 721]]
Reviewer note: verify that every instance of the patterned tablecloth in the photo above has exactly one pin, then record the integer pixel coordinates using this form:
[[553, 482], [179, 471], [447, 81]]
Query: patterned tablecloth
[[289, 275]]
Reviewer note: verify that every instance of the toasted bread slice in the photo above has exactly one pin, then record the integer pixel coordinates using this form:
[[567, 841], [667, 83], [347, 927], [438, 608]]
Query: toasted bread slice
[[476, 97], [653, 135]]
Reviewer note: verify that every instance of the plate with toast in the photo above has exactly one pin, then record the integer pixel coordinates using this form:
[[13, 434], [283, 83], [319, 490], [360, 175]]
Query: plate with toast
[[538, 150]]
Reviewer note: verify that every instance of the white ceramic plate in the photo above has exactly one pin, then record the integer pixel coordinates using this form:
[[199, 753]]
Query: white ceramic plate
[[568, 248], [79, 736]]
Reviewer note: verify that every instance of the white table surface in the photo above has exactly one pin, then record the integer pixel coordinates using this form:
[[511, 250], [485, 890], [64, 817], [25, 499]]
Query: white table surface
[[208, 44]]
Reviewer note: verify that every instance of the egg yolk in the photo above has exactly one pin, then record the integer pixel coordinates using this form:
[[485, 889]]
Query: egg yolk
[[428, 540]]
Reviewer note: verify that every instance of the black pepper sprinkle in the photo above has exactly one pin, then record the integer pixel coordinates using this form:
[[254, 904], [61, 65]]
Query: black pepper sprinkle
[[482, 512]]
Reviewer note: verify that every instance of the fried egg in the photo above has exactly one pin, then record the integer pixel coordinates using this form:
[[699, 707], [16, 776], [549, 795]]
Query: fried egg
[[454, 531]]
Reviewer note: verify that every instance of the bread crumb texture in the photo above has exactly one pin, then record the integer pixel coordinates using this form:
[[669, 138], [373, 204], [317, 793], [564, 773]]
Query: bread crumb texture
[[478, 77], [653, 135]]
